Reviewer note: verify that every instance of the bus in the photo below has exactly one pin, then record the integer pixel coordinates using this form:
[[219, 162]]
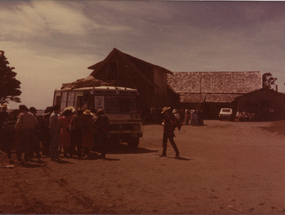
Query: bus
[[120, 103]]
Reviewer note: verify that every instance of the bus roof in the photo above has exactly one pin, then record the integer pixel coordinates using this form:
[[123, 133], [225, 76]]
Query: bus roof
[[101, 89]]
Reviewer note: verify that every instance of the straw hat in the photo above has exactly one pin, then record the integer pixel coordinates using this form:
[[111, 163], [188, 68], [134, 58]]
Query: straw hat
[[79, 110], [4, 106], [100, 112], [88, 113], [72, 109], [174, 111], [165, 109]]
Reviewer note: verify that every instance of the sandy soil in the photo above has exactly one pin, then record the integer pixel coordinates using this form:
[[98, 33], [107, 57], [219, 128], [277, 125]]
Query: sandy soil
[[225, 167]]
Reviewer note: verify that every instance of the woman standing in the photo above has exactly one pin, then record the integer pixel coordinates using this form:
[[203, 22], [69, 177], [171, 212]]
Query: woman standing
[[101, 125], [65, 138], [87, 134]]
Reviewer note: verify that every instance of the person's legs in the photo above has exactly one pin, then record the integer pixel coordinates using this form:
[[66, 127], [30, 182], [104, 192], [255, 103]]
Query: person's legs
[[2, 139], [24, 142], [28, 140], [20, 148], [46, 142], [79, 149], [76, 140], [38, 149], [54, 145], [103, 141], [174, 145], [8, 143], [164, 144], [72, 144]]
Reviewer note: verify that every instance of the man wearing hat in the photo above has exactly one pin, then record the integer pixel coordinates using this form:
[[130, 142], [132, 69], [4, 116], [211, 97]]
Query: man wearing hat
[[77, 126], [170, 122], [3, 119], [54, 128], [87, 133], [25, 126], [101, 125]]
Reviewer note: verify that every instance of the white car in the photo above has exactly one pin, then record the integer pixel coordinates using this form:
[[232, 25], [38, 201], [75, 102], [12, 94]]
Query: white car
[[226, 113]]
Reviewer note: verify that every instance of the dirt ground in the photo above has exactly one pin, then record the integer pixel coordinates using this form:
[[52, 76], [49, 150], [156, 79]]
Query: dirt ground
[[225, 167]]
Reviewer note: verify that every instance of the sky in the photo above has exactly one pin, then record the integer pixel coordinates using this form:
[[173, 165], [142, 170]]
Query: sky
[[53, 42]]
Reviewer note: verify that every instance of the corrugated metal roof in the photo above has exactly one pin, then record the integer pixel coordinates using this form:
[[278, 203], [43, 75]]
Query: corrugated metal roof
[[208, 98], [214, 86], [215, 82]]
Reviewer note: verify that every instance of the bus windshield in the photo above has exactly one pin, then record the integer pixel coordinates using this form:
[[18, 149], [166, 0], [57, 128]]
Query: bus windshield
[[119, 104]]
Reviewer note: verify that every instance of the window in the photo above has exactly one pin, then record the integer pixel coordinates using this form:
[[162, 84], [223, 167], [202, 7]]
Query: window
[[63, 100], [112, 70], [57, 98], [71, 99], [79, 99], [120, 104]]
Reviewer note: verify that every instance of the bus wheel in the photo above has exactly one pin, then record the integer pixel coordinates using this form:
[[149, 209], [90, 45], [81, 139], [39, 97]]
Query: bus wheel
[[133, 142]]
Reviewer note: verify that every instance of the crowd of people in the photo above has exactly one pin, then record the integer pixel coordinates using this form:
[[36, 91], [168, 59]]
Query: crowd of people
[[187, 116], [244, 116], [264, 114], [70, 132]]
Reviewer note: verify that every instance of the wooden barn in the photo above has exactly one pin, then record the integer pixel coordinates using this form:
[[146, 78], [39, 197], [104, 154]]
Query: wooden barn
[[150, 80], [267, 104], [210, 91]]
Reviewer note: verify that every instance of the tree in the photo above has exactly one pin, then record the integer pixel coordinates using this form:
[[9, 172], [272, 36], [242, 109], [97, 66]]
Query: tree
[[268, 80], [9, 85]]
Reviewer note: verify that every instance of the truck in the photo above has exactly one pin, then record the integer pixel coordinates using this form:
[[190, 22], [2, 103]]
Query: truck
[[120, 103]]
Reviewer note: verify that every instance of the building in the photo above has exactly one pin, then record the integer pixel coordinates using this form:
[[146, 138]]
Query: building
[[213, 90], [150, 80], [267, 104]]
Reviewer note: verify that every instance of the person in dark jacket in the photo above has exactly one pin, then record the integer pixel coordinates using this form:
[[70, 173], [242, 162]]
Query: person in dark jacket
[[77, 126], [101, 126], [3, 119], [25, 125], [54, 128], [170, 122], [45, 134], [35, 143], [10, 134]]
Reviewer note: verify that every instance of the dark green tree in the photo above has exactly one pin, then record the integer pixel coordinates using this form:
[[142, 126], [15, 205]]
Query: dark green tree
[[268, 80], [9, 85]]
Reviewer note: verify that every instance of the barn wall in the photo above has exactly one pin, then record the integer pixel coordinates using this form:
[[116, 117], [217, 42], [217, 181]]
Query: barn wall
[[268, 104]]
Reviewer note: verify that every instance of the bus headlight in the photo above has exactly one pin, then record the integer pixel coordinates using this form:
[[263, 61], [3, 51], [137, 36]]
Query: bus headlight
[[137, 127]]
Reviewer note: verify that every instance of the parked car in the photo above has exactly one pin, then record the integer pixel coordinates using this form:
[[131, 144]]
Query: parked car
[[226, 113]]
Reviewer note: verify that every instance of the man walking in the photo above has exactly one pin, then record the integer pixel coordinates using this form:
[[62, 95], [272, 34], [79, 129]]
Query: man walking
[[170, 122], [101, 125], [54, 126], [25, 125]]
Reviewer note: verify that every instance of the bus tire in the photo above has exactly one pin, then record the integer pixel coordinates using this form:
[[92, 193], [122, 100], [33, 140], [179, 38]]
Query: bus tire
[[133, 142]]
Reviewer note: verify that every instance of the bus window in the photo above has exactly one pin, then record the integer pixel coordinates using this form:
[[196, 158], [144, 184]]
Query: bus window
[[79, 102], [63, 100], [115, 104], [57, 100], [86, 96], [71, 99], [79, 99], [57, 97]]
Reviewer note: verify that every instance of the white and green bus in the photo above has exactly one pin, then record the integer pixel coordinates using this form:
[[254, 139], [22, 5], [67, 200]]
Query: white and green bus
[[120, 104]]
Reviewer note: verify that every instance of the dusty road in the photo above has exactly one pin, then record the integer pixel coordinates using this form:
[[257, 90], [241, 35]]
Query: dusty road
[[225, 167]]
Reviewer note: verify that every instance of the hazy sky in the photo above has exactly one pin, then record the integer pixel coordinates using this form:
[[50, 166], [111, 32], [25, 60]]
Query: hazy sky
[[53, 42]]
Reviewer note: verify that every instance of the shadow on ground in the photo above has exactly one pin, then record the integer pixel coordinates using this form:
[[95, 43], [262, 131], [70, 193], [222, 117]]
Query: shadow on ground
[[124, 149], [183, 159]]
